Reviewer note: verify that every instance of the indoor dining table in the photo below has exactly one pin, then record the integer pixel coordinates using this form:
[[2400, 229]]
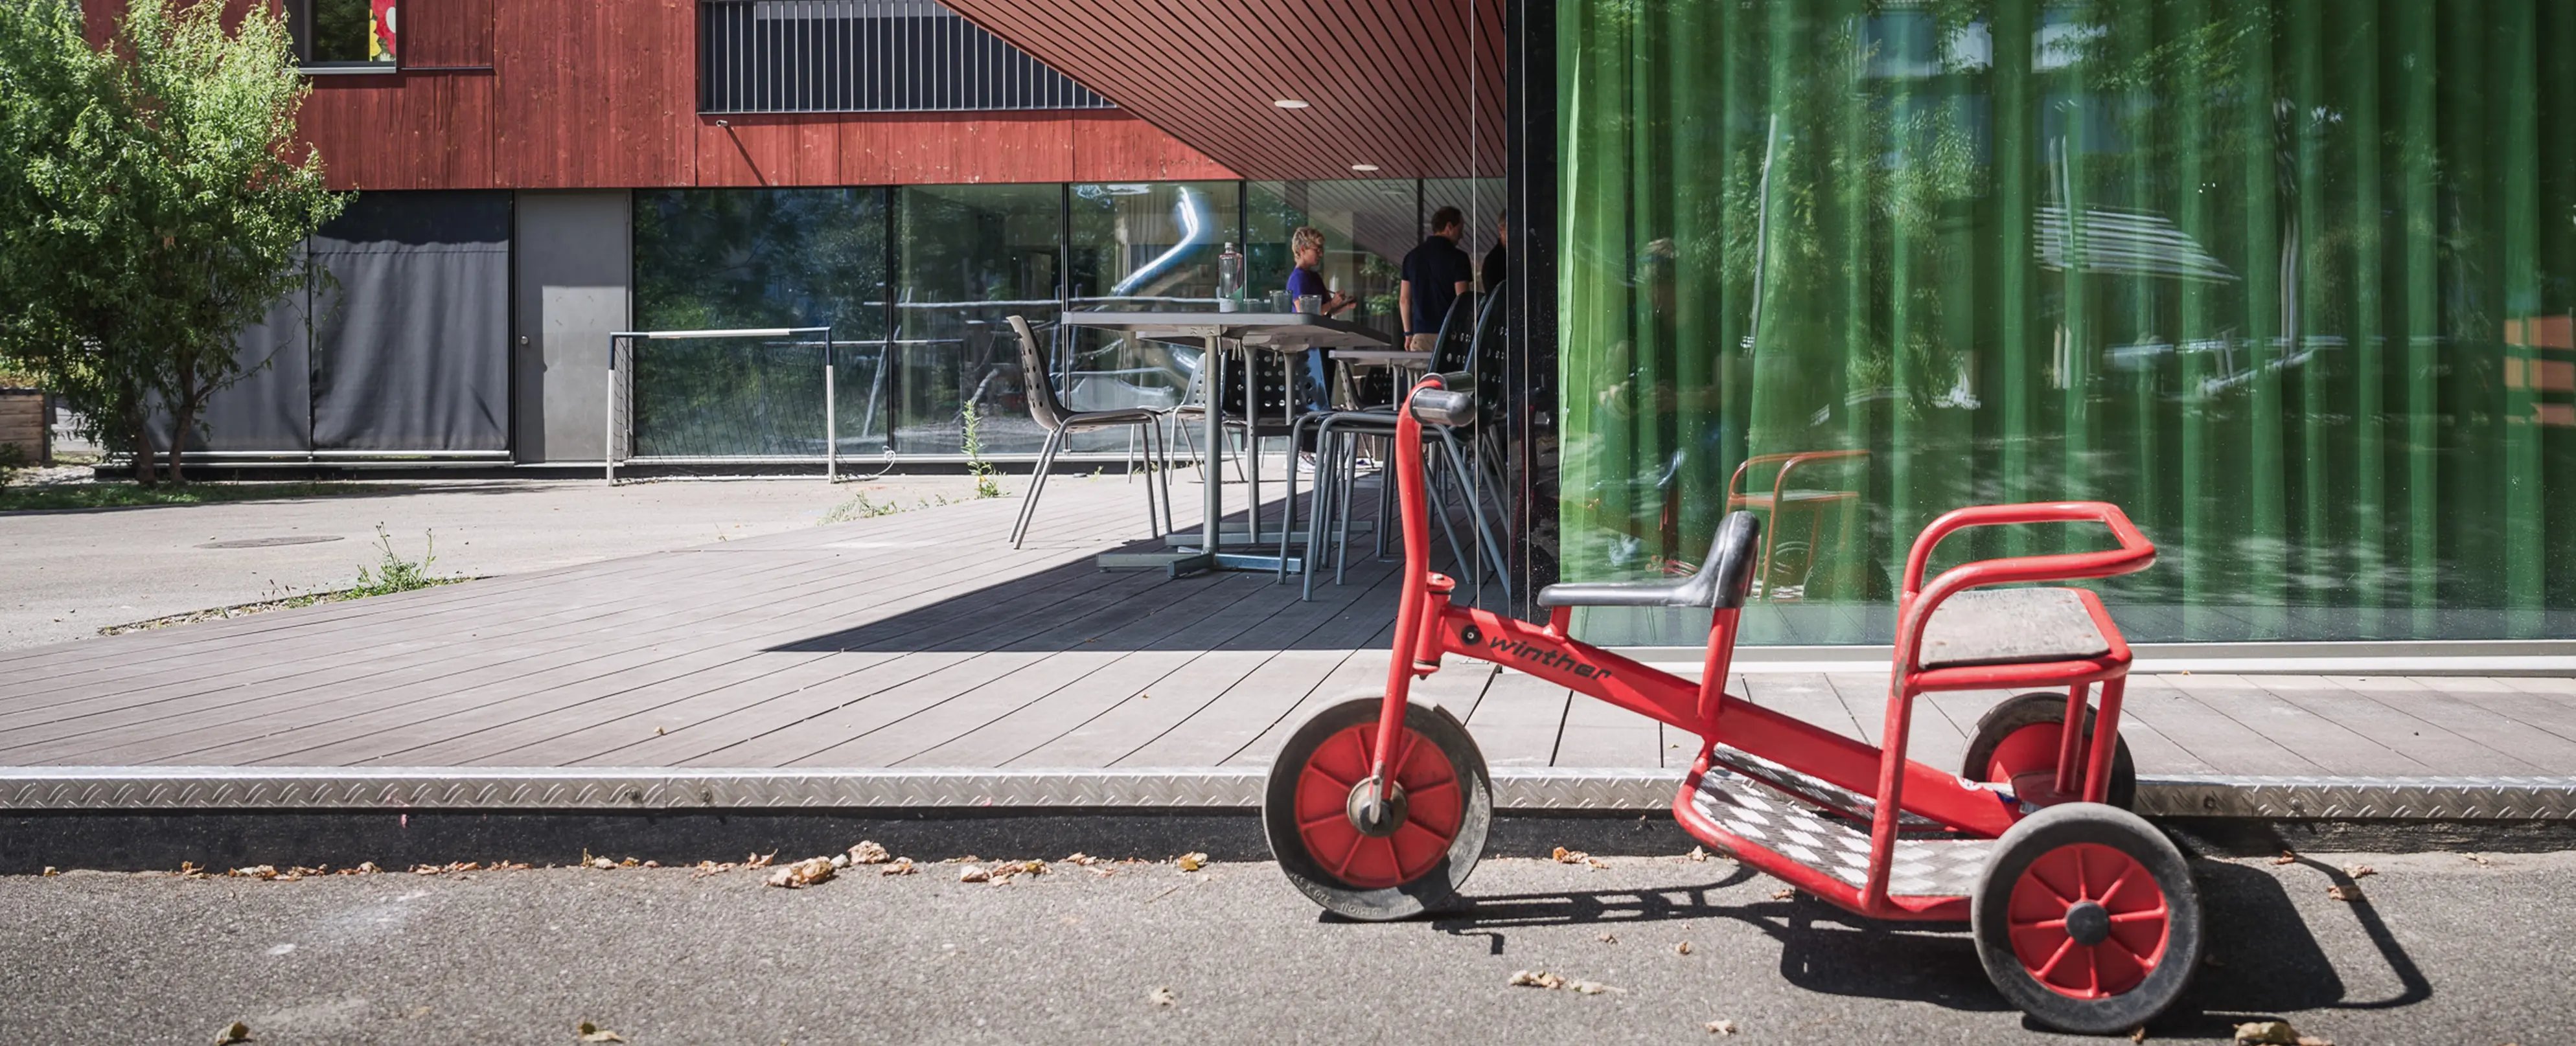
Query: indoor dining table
[[1220, 333]]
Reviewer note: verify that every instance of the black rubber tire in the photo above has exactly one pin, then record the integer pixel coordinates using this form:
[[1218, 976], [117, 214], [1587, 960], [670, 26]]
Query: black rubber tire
[[2038, 708], [1436, 889], [2063, 825]]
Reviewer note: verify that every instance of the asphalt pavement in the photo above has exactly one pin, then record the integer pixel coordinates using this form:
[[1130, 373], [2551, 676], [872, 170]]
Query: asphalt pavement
[[2441, 948], [66, 574]]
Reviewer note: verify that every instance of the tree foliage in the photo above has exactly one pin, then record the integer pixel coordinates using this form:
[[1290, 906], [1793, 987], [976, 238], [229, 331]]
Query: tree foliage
[[153, 203]]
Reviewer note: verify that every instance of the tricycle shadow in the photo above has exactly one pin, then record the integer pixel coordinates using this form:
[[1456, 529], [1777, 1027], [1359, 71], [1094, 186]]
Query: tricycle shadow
[[2266, 959]]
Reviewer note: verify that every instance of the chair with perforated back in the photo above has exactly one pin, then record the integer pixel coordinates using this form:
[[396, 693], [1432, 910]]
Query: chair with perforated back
[[1048, 410]]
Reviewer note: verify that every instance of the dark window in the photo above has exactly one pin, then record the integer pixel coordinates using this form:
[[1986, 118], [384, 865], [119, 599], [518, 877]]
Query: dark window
[[344, 33], [824, 56]]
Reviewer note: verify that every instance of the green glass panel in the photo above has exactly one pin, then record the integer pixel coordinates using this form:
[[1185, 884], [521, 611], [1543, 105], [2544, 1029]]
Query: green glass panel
[[2289, 280]]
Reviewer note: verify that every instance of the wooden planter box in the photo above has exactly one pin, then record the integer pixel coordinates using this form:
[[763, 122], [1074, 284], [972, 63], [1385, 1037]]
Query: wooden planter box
[[24, 421]]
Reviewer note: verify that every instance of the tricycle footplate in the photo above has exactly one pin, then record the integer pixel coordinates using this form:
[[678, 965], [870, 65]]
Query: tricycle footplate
[[1775, 811]]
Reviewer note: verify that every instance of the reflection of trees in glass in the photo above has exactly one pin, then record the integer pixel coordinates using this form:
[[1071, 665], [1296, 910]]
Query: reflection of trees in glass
[[749, 258], [2270, 274], [972, 256], [339, 30]]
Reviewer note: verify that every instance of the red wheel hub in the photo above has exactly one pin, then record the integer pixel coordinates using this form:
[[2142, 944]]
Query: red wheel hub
[[2088, 921], [1431, 812], [2026, 759]]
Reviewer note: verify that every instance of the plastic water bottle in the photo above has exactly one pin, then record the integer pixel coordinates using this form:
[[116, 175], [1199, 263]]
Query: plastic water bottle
[[1229, 280]]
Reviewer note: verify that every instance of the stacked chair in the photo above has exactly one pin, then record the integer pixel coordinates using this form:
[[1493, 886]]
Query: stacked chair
[[1459, 470]]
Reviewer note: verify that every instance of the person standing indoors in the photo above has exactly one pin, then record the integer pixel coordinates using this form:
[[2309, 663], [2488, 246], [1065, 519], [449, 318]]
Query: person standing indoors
[[1306, 245], [1489, 275], [1435, 274]]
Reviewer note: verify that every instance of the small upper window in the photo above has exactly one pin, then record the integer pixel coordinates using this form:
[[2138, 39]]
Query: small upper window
[[349, 34]]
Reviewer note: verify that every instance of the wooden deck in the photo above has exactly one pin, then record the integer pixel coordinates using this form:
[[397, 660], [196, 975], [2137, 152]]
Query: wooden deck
[[922, 640]]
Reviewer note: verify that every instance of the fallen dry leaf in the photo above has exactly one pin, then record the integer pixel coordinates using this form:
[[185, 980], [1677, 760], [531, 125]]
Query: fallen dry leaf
[[1193, 861], [1698, 853], [588, 1032], [1720, 1027], [1565, 856], [1682, 948], [1536, 979], [50, 872], [257, 871], [602, 863], [1609, 938], [973, 874], [2359, 871], [759, 860], [901, 866], [1782, 895], [232, 1033], [1163, 997], [868, 852], [1081, 859], [2266, 1033], [2138, 1034], [1591, 987], [2477, 859], [2286, 857], [803, 873], [2346, 894]]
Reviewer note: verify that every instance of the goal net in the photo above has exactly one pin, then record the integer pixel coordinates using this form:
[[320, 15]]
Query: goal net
[[762, 396]]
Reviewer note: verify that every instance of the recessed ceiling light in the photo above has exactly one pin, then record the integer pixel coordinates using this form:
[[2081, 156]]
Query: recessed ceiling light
[[1364, 167], [1290, 103]]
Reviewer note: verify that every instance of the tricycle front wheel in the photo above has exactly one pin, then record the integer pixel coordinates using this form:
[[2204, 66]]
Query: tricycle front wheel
[[1421, 845]]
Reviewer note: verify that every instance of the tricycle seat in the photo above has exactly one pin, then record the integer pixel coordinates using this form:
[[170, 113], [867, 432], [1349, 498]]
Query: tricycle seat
[[1722, 582], [2012, 626]]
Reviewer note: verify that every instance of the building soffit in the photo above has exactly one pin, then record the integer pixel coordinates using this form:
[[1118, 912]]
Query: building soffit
[[1386, 84]]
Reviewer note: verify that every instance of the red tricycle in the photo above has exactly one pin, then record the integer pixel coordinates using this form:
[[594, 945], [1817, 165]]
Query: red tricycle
[[2084, 915]]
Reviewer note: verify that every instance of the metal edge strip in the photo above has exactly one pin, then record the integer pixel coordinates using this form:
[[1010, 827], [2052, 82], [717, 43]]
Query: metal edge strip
[[30, 789]]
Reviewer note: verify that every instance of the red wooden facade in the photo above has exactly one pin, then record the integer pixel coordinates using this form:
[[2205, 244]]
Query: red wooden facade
[[582, 94]]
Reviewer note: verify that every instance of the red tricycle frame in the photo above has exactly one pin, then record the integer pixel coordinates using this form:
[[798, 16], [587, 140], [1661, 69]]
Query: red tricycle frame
[[1429, 627]]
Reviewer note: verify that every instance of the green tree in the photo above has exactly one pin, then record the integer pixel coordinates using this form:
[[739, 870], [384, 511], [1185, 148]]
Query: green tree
[[153, 202]]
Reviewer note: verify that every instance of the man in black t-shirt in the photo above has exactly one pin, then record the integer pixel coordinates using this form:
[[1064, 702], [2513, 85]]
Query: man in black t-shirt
[[1435, 274]]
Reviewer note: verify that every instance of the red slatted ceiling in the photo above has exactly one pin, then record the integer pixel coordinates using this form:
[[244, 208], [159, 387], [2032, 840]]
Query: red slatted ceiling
[[1388, 81]]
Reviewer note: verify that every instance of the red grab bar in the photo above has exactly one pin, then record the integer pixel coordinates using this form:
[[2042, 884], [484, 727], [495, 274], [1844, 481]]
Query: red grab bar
[[2135, 553]]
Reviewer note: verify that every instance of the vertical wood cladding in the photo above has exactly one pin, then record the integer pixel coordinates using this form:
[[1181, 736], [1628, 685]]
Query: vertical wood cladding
[[602, 94]]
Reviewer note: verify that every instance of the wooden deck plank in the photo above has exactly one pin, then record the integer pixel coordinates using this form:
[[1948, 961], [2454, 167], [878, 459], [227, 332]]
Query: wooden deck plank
[[2330, 743], [2212, 737], [308, 721], [339, 669], [1520, 720], [1597, 733], [2429, 746]]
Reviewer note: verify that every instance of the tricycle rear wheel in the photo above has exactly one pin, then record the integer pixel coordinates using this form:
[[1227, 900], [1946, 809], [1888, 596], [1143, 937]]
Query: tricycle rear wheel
[[1416, 857], [2087, 919], [2016, 744]]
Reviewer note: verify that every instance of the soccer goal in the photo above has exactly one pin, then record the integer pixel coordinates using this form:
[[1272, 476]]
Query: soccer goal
[[755, 396]]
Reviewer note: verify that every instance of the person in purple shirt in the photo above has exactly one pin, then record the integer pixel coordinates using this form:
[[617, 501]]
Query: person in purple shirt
[[1306, 245]]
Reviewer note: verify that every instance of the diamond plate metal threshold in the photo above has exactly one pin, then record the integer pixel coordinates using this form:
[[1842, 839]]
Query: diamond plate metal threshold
[[1516, 789]]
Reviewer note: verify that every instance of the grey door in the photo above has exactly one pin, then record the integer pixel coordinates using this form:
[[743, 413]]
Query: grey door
[[575, 272]]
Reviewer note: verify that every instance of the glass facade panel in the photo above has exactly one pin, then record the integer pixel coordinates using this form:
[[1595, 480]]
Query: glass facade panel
[[2290, 282], [1367, 227], [970, 257], [1140, 246], [737, 258]]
